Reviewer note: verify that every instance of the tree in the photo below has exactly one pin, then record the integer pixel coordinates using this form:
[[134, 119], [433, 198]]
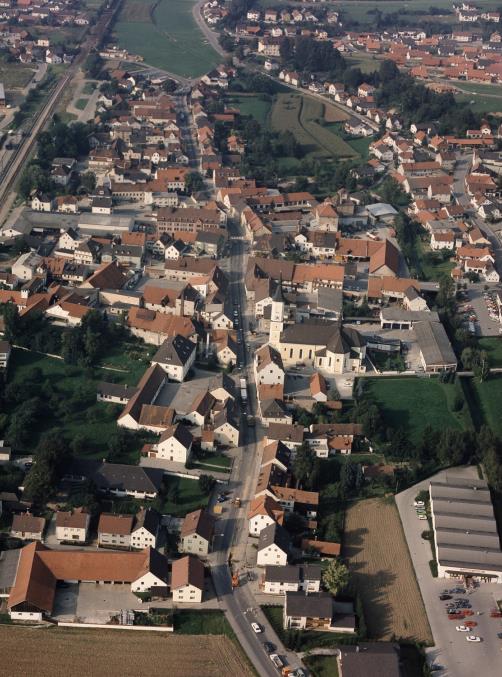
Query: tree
[[335, 577], [303, 463], [88, 181], [194, 182], [206, 483]]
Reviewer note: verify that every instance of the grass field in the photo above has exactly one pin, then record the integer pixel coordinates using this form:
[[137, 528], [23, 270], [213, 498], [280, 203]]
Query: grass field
[[485, 97], [414, 403], [15, 75], [381, 567], [253, 105], [493, 347], [365, 62], [189, 496], [322, 666], [118, 653], [165, 35], [80, 104], [89, 87], [300, 115], [489, 399]]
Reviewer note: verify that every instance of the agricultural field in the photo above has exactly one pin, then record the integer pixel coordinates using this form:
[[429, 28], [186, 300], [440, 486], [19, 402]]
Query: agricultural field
[[481, 98], [415, 403], [165, 34], [118, 653], [381, 567], [251, 104], [302, 115], [366, 62]]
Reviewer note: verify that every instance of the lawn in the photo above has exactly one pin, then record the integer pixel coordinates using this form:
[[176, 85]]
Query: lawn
[[89, 87], [432, 264], [80, 104], [209, 462], [493, 347], [126, 363], [366, 62], [252, 105], [489, 398], [381, 569], [15, 75], [202, 623], [189, 496], [415, 403], [302, 115], [322, 666], [166, 36]]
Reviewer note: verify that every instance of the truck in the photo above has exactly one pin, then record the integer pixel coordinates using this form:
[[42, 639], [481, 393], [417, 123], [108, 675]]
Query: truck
[[276, 661]]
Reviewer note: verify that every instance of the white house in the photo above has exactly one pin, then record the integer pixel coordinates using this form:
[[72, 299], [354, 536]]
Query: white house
[[273, 546], [27, 527], [114, 531], [175, 444], [197, 533], [146, 529], [176, 355], [268, 366], [187, 580], [278, 580], [72, 526], [263, 512]]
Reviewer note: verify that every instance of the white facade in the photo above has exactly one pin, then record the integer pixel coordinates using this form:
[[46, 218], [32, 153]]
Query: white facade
[[272, 554], [142, 538], [147, 582], [194, 544], [187, 594], [258, 522], [173, 450]]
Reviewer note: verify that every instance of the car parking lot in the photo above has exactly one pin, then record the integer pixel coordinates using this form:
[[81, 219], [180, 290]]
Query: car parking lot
[[457, 656], [478, 309]]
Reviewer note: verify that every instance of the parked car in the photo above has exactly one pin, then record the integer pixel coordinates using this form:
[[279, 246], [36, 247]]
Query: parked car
[[269, 647], [462, 628], [473, 638], [256, 627], [444, 597], [419, 504], [276, 660]]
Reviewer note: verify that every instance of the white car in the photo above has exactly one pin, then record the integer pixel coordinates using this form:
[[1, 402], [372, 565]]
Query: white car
[[461, 628], [256, 627], [419, 504], [473, 638]]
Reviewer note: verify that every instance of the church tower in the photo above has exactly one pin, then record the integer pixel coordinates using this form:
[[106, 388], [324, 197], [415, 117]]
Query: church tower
[[277, 315]]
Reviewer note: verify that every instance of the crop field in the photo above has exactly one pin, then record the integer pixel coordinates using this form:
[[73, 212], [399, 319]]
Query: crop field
[[118, 653], [165, 34], [301, 115], [415, 403], [381, 567]]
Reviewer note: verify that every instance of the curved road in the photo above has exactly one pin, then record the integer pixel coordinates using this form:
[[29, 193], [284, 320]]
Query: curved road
[[211, 36]]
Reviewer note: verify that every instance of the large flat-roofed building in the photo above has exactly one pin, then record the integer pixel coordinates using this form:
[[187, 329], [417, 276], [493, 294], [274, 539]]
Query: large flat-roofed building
[[436, 353], [465, 531]]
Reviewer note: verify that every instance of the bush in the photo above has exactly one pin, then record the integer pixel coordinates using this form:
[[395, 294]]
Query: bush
[[433, 565]]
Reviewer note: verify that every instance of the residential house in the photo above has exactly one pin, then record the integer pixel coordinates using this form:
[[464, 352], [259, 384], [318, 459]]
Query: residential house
[[187, 580], [28, 527], [263, 511], [274, 546], [114, 531], [72, 526], [176, 356], [278, 580], [197, 533], [175, 444], [146, 529]]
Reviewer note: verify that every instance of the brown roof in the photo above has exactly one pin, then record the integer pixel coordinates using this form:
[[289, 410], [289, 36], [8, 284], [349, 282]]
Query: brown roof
[[27, 522], [270, 392], [188, 570], [39, 569], [115, 524], [318, 384], [265, 505], [199, 522], [107, 276], [322, 547], [72, 519], [296, 495], [148, 386], [386, 255], [285, 432]]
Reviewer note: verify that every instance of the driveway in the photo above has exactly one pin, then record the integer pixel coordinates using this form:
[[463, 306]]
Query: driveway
[[459, 657]]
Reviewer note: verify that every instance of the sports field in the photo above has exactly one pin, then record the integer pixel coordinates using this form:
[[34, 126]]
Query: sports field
[[415, 403], [381, 568], [165, 34], [117, 653], [302, 116]]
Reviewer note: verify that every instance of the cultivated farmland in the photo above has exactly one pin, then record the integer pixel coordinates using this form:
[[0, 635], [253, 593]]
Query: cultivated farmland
[[118, 653], [165, 34], [382, 570]]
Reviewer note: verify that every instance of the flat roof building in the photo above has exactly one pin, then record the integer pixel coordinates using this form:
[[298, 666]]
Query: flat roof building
[[465, 531]]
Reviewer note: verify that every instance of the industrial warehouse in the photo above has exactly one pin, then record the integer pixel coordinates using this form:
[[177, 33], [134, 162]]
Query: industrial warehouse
[[465, 531]]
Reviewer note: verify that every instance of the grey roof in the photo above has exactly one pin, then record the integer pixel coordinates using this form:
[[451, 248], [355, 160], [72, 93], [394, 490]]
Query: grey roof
[[464, 524], [329, 299], [311, 572], [122, 477], [283, 574], [337, 339], [274, 533], [116, 390], [8, 567], [273, 409], [176, 350], [378, 659], [381, 209], [313, 605], [434, 344], [398, 314]]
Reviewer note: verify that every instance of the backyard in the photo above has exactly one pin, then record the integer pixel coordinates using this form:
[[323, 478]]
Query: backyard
[[493, 347], [488, 398], [165, 34], [415, 403], [382, 571]]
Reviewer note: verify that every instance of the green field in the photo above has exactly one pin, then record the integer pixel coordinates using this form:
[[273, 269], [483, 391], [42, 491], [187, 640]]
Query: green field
[[166, 36], [15, 75], [251, 104], [489, 399], [301, 115], [365, 62], [322, 666], [493, 347], [486, 98], [89, 87], [188, 498], [80, 104], [415, 403]]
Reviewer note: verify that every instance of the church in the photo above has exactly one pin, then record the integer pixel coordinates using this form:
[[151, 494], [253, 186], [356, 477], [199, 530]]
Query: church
[[325, 345]]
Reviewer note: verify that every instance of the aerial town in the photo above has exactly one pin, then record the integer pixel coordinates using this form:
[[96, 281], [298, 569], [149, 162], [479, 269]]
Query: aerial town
[[250, 338]]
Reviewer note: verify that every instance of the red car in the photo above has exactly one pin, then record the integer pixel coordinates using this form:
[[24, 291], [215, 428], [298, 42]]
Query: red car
[[470, 624]]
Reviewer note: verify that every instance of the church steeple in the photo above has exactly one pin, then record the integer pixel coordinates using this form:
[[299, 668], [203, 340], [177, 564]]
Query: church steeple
[[277, 314]]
